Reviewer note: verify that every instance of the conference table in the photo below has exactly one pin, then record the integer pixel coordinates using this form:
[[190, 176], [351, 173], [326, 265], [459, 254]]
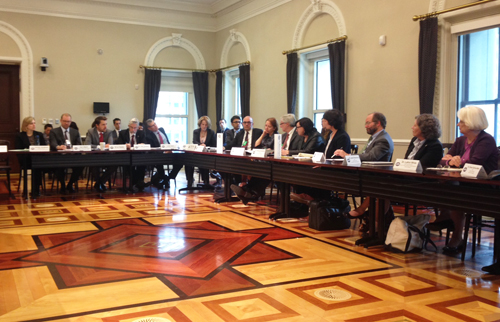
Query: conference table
[[439, 189]]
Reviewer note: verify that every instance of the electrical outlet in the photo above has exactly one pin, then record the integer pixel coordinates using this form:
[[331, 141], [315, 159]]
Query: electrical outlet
[[51, 121], [44, 121], [57, 121]]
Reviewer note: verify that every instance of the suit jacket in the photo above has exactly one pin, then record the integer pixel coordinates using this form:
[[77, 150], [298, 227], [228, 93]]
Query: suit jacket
[[124, 137], [380, 149], [114, 135], [57, 138], [238, 140], [152, 139], [314, 143], [341, 140], [224, 133], [92, 137], [23, 142], [296, 140], [211, 139], [429, 154], [230, 136]]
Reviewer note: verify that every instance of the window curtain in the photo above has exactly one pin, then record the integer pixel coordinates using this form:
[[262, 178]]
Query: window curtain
[[152, 82], [427, 63], [336, 51], [218, 97], [245, 90], [200, 86], [291, 82]]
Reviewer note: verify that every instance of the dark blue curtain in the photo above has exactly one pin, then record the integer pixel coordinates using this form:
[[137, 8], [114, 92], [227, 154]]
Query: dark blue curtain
[[200, 86], [218, 97], [152, 82], [427, 63], [291, 82], [336, 51], [245, 90]]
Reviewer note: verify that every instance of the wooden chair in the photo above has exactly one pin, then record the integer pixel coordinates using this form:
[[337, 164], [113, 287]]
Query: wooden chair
[[4, 164]]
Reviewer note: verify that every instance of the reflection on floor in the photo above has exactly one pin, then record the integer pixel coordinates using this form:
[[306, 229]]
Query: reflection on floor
[[165, 256]]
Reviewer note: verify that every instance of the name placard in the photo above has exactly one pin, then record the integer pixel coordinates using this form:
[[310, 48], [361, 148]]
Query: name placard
[[238, 151], [142, 147], [3, 148], [82, 148], [220, 143], [168, 147], [39, 148], [199, 148], [318, 157], [277, 146], [473, 171], [190, 147], [352, 161], [406, 165], [259, 153], [118, 147]]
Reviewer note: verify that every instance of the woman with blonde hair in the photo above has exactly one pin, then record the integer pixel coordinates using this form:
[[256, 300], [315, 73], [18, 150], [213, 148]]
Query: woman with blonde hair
[[204, 136]]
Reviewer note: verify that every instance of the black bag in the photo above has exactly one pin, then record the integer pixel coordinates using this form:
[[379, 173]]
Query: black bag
[[329, 214]]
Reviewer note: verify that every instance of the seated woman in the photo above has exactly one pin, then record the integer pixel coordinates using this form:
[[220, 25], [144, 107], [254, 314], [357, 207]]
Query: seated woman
[[338, 139], [206, 137], [476, 147], [266, 140], [312, 140], [424, 146], [23, 140]]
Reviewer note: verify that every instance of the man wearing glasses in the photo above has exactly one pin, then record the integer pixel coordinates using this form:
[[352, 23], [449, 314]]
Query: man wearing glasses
[[231, 134], [290, 139], [246, 138]]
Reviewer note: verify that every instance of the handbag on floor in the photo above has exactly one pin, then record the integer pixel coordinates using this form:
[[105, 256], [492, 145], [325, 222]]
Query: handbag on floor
[[329, 214], [406, 234]]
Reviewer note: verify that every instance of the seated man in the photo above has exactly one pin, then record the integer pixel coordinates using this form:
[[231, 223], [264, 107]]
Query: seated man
[[94, 137], [62, 138], [156, 137], [231, 134], [131, 137]]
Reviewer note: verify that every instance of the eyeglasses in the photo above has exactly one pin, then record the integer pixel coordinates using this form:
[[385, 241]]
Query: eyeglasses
[[282, 123], [366, 123], [247, 122]]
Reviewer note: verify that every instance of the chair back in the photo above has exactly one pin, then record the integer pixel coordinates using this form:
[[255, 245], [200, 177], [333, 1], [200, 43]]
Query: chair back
[[354, 149], [4, 157], [446, 148]]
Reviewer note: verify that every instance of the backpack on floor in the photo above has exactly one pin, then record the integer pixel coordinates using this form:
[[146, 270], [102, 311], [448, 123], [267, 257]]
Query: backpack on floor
[[329, 214], [406, 234]]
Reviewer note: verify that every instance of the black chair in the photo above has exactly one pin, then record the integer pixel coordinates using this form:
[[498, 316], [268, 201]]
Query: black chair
[[4, 164]]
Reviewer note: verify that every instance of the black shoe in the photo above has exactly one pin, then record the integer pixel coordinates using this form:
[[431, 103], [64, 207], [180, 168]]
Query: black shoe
[[492, 269], [242, 194], [453, 250]]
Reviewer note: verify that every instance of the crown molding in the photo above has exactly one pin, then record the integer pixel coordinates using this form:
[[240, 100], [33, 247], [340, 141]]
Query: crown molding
[[200, 15]]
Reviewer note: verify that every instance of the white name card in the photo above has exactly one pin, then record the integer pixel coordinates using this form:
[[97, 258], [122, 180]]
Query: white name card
[[3, 148], [39, 148], [238, 151], [82, 148], [199, 148], [406, 165], [220, 143], [352, 161], [277, 146], [142, 147], [118, 147], [190, 147], [318, 157], [169, 147], [473, 171], [259, 153]]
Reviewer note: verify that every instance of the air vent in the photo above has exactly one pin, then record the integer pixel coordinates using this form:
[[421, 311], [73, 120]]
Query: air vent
[[331, 294], [152, 319], [467, 272]]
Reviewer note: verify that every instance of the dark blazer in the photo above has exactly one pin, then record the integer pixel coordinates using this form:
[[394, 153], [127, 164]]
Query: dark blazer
[[57, 138], [295, 140], [483, 152], [92, 137], [224, 133], [340, 140], [152, 139], [314, 143], [238, 140], [22, 141], [230, 136], [380, 149], [429, 154], [114, 135], [267, 141], [211, 139], [124, 137]]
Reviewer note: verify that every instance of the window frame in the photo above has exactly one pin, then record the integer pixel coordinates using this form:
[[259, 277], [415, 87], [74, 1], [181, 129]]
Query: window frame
[[231, 90]]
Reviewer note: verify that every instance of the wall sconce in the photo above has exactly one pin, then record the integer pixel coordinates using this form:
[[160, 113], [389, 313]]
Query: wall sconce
[[44, 64]]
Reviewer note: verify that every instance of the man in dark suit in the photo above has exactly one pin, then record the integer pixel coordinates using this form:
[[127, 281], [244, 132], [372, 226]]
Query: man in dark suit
[[156, 137], [222, 128], [231, 134], [62, 138], [94, 137], [131, 137], [246, 138], [116, 132], [290, 139]]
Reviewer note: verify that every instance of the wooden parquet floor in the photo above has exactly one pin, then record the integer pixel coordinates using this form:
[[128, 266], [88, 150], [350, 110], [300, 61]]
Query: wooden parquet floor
[[165, 256]]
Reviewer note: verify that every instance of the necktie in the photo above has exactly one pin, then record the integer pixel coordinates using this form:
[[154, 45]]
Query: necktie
[[161, 139], [101, 137], [66, 135], [132, 140], [367, 144], [284, 142], [245, 141]]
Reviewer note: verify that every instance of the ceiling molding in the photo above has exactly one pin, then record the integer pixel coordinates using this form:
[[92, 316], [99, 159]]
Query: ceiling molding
[[200, 15]]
